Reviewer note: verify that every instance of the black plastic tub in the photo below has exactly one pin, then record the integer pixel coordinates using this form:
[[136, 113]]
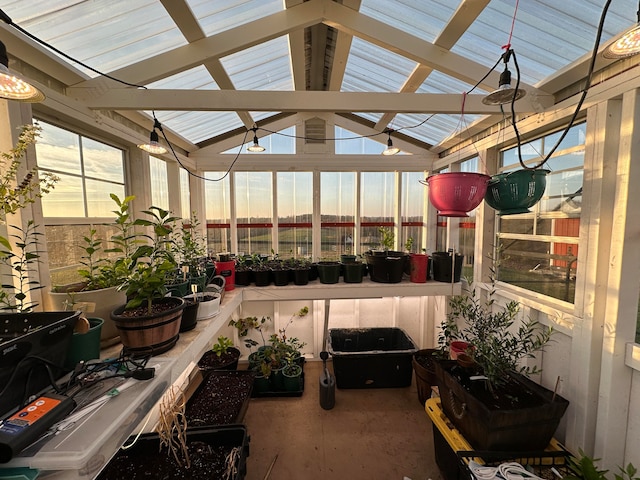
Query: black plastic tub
[[221, 399], [208, 449], [371, 357], [23, 337]]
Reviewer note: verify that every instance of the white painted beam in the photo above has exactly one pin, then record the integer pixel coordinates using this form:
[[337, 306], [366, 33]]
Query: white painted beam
[[311, 101]]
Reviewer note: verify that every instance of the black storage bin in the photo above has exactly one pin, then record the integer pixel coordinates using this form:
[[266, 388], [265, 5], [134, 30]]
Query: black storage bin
[[46, 335], [371, 357], [145, 456]]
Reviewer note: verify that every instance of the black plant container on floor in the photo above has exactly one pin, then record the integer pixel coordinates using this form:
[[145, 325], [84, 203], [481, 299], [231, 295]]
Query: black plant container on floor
[[522, 429]]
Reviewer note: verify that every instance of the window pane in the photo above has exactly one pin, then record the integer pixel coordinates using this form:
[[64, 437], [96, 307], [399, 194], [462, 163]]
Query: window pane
[[255, 240], [185, 194], [159, 183], [441, 234], [337, 210], [99, 203], [377, 207], [58, 149], [413, 208], [536, 266], [337, 196], [253, 206], [64, 244], [253, 197], [336, 241], [102, 161], [295, 209], [66, 200], [217, 205]]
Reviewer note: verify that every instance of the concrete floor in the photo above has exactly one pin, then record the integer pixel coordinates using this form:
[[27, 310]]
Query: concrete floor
[[372, 434]]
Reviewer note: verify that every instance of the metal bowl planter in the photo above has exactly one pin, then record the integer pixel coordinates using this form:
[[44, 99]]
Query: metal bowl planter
[[456, 193], [516, 192]]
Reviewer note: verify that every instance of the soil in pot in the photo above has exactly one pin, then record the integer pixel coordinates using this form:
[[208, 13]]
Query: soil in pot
[[208, 452], [227, 361], [221, 399]]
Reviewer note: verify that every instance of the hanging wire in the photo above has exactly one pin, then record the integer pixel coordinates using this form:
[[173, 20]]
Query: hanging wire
[[592, 62]]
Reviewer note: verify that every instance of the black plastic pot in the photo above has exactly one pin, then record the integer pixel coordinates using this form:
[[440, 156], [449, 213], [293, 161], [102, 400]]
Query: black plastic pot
[[243, 277], [441, 263], [280, 277], [262, 278], [189, 316], [301, 276], [352, 272], [329, 272], [386, 267]]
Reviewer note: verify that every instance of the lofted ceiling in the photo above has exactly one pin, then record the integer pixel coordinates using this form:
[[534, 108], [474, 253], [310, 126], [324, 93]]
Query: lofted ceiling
[[212, 69]]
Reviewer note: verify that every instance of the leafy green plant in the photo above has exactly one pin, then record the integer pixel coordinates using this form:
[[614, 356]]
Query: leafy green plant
[[388, 238], [15, 295], [498, 346], [584, 467], [408, 245], [223, 345], [190, 246], [151, 265], [15, 196], [243, 325]]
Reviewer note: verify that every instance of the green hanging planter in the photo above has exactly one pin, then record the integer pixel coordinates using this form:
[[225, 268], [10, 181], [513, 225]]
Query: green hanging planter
[[516, 192]]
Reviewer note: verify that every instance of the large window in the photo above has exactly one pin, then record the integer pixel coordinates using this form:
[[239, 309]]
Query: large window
[[338, 213], [89, 172], [539, 250], [254, 197], [467, 225], [295, 211]]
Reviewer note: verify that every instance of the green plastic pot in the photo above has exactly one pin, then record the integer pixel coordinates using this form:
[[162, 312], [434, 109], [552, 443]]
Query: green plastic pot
[[515, 192], [85, 346]]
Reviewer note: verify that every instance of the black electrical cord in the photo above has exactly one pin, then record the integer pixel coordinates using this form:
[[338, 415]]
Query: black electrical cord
[[592, 62]]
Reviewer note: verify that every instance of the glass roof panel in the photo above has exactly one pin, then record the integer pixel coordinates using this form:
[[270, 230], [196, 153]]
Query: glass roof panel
[[374, 69], [105, 34], [263, 67], [197, 78], [218, 16], [199, 126], [423, 19]]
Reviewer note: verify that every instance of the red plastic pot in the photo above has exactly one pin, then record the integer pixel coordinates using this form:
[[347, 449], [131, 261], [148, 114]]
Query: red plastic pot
[[419, 262]]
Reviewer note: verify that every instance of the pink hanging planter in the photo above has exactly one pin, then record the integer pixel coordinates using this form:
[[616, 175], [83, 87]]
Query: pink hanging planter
[[456, 193]]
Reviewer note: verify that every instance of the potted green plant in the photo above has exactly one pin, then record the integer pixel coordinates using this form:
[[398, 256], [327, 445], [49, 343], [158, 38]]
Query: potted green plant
[[191, 252], [149, 322], [500, 341], [222, 356], [328, 271], [352, 271], [102, 272], [385, 264], [300, 268]]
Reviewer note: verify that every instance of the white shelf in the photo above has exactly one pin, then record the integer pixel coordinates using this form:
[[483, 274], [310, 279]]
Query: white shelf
[[367, 289]]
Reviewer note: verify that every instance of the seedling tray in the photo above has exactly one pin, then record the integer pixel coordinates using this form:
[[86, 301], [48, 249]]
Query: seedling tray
[[281, 393]]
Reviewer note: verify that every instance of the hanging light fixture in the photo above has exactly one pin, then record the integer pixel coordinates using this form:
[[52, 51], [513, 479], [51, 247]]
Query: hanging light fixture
[[154, 144], [256, 147], [13, 86], [505, 93], [390, 150], [627, 44]]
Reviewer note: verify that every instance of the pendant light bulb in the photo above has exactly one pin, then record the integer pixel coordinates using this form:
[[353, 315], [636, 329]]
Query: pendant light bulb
[[13, 86], [505, 93], [256, 147], [154, 147], [390, 150], [626, 45]]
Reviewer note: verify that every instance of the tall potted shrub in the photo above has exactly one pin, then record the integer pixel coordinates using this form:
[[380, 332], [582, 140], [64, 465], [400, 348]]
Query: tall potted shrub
[[527, 414], [149, 322]]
